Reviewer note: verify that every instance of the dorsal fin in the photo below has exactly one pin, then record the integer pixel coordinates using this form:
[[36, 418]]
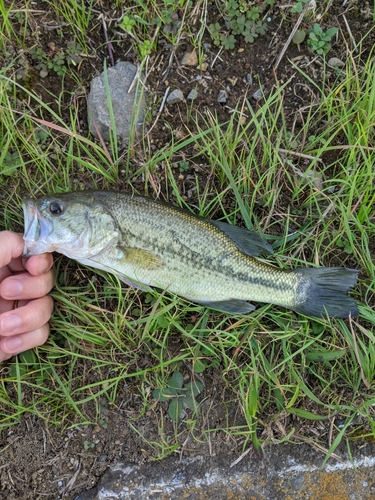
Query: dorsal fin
[[248, 241]]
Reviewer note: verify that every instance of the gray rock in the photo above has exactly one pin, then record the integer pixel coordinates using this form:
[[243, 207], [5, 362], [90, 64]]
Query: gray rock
[[175, 97], [222, 97], [128, 107], [193, 94], [335, 62], [258, 94]]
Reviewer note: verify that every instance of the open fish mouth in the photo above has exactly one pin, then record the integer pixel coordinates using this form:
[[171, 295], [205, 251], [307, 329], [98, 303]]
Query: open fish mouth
[[37, 229]]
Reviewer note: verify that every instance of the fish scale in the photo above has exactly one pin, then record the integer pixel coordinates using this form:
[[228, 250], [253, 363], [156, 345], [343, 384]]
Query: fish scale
[[235, 267], [277, 278], [148, 243]]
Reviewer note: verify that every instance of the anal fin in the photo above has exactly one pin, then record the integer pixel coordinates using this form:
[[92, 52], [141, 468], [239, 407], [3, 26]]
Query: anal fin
[[233, 306]]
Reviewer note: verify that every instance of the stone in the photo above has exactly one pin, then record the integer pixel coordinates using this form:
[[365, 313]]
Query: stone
[[222, 97], [128, 107], [175, 97], [193, 94], [258, 94], [189, 59], [335, 62]]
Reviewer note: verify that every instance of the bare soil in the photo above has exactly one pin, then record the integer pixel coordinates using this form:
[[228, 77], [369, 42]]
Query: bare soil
[[39, 461]]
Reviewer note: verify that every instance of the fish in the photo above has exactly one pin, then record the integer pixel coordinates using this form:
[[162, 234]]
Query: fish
[[151, 244]]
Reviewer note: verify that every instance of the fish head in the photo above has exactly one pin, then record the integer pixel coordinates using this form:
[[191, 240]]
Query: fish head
[[72, 224]]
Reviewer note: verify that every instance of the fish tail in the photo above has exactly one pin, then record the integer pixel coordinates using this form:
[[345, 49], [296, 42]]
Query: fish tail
[[323, 291]]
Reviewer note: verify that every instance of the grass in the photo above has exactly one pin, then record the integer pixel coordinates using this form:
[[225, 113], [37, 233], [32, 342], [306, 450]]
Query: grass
[[308, 189]]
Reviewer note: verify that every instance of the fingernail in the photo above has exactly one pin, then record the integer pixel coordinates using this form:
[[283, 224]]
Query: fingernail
[[12, 344], [10, 323], [12, 288]]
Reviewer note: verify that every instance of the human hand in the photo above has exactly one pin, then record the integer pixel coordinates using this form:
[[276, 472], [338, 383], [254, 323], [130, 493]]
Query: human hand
[[25, 307]]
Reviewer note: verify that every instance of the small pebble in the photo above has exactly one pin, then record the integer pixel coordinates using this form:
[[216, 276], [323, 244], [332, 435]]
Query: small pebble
[[223, 96], [249, 79], [257, 94], [190, 59], [335, 62], [193, 94], [175, 97]]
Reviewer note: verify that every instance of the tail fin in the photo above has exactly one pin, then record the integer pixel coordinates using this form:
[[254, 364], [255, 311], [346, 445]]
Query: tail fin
[[323, 291]]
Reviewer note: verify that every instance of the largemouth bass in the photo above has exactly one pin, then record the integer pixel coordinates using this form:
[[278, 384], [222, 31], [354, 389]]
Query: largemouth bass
[[152, 244]]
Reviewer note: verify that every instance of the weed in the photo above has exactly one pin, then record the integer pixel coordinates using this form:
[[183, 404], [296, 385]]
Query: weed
[[179, 394], [78, 15], [319, 40], [56, 60], [88, 446], [183, 166], [128, 24], [73, 52], [240, 18], [298, 7], [299, 36], [145, 21], [11, 162]]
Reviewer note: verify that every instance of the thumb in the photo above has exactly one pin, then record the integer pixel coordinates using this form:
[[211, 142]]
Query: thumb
[[11, 246]]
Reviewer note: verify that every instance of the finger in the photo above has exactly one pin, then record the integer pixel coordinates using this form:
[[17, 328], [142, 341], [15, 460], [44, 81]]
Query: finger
[[7, 305], [29, 317], [11, 305], [4, 273], [14, 345], [25, 286], [16, 265], [39, 264], [11, 245]]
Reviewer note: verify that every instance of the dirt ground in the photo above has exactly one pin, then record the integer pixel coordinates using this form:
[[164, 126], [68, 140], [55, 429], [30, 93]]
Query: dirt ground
[[38, 461]]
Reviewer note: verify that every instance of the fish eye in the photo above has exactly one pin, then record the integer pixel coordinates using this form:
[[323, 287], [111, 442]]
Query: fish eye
[[56, 208]]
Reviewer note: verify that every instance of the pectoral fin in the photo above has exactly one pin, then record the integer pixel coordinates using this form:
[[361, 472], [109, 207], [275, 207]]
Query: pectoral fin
[[233, 306], [123, 260], [140, 258]]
